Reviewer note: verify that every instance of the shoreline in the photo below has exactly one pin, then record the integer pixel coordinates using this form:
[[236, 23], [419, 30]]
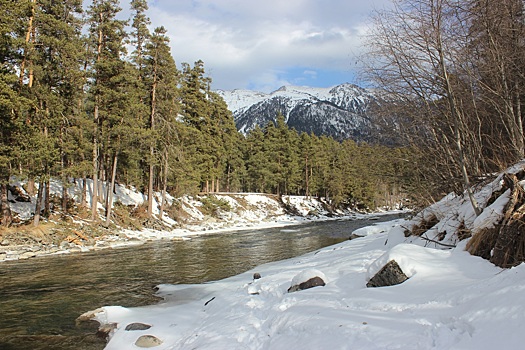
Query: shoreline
[[125, 238]]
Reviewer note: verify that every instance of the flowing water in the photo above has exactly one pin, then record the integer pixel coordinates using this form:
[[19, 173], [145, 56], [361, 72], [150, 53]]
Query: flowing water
[[40, 298]]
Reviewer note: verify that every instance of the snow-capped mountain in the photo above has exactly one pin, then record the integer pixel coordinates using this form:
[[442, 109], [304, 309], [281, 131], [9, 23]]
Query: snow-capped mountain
[[341, 111]]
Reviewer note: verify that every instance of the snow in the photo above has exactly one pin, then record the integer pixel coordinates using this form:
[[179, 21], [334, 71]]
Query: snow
[[452, 301], [248, 211], [240, 100]]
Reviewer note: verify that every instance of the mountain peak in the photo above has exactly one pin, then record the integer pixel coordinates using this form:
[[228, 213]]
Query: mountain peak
[[340, 111]]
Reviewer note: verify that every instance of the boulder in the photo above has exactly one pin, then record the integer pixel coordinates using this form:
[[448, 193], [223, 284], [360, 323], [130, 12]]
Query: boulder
[[390, 275], [148, 341], [312, 282], [137, 326]]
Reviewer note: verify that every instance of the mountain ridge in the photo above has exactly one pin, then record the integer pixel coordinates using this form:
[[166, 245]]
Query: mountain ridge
[[341, 111]]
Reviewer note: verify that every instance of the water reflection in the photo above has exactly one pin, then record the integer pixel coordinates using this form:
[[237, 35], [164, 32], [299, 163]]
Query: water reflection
[[42, 297]]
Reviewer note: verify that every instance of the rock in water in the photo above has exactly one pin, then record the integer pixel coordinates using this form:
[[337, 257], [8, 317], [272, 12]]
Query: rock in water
[[390, 275], [148, 341]]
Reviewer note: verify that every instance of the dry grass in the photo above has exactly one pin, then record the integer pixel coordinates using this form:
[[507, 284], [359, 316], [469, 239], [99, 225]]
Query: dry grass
[[418, 230], [483, 242]]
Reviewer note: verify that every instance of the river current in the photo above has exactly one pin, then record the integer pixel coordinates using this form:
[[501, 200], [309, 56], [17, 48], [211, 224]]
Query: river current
[[40, 298]]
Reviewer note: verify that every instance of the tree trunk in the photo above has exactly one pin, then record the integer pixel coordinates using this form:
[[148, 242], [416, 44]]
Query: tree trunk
[[94, 195], [109, 203], [455, 114], [28, 38], [7, 217], [64, 196], [38, 205], [47, 197], [31, 186], [83, 197], [164, 185], [152, 149]]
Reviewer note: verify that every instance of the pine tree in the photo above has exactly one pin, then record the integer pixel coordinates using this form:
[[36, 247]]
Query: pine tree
[[140, 37], [52, 85], [162, 80], [109, 92], [12, 34]]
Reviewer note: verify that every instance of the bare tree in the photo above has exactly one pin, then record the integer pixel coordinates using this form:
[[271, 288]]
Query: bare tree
[[413, 51]]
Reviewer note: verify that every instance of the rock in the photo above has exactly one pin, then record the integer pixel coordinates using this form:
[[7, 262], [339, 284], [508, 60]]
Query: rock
[[390, 275], [137, 326], [27, 255], [5, 242], [256, 276], [148, 341], [105, 330], [312, 282]]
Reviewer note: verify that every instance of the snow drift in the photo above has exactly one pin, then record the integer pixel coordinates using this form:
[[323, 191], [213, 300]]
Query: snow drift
[[451, 300]]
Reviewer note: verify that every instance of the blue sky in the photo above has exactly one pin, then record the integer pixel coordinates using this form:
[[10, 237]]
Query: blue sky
[[263, 45]]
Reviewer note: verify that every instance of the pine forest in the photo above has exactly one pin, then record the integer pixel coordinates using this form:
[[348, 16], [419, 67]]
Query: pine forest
[[86, 95]]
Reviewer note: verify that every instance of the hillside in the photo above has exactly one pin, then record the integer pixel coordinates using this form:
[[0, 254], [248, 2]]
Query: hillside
[[342, 111]]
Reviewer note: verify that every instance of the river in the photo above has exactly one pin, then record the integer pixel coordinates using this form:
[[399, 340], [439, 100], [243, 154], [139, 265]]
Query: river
[[40, 298]]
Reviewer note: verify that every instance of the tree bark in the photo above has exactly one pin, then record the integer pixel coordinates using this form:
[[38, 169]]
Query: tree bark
[[109, 203], [47, 197], [164, 185], [7, 217], [38, 205]]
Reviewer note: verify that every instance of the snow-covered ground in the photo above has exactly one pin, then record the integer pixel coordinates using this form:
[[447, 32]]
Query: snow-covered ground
[[451, 300], [246, 211]]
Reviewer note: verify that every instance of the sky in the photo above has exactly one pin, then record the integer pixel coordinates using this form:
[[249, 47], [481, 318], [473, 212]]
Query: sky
[[263, 45]]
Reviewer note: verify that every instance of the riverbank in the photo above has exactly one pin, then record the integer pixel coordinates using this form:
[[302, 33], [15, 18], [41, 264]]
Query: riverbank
[[451, 300], [189, 216], [410, 284], [126, 237], [43, 297]]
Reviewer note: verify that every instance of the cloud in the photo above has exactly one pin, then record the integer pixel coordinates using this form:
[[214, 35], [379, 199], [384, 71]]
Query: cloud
[[254, 44]]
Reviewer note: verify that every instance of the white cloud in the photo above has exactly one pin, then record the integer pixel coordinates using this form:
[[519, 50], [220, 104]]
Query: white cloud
[[251, 43]]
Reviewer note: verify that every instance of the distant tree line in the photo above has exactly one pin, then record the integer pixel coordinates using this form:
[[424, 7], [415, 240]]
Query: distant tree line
[[455, 76], [75, 104]]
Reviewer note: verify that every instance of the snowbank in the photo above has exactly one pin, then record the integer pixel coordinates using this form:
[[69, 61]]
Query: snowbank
[[452, 301]]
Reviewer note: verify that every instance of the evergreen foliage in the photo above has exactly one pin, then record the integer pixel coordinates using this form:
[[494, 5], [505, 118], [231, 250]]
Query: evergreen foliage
[[75, 105]]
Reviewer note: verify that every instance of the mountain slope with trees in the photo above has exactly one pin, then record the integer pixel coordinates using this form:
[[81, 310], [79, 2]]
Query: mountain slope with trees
[[342, 112]]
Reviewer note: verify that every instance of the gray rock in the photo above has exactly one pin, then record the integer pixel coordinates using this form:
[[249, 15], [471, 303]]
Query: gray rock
[[312, 282], [390, 275], [137, 326], [148, 341]]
